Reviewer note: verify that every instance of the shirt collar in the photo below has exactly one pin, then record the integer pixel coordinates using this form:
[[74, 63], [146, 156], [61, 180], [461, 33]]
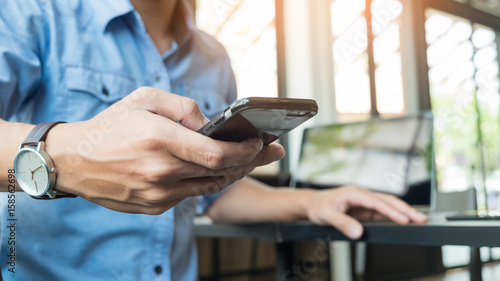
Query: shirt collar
[[106, 11]]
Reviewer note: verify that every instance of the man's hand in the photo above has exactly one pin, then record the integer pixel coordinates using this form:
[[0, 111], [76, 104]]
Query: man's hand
[[142, 155], [250, 201], [344, 207]]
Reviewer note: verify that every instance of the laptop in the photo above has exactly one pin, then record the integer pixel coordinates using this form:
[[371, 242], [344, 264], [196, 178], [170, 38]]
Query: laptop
[[393, 156]]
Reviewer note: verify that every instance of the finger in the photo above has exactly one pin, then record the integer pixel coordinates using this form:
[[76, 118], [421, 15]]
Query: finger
[[197, 186], [167, 172], [367, 215], [268, 154], [404, 208], [211, 153], [345, 224], [214, 154], [191, 146], [139, 207], [174, 107], [196, 148], [362, 214], [368, 200], [379, 217], [397, 203], [168, 169]]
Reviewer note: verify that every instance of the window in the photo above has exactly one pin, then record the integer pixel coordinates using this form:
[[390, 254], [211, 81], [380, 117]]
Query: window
[[489, 6], [367, 58], [247, 31], [464, 82]]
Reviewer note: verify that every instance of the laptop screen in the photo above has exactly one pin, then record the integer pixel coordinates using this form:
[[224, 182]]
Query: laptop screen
[[386, 155]]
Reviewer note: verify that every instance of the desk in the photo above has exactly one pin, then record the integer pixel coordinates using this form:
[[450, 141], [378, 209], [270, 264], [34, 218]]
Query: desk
[[436, 232]]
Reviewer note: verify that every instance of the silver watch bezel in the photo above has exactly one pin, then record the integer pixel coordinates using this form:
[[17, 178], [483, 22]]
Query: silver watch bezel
[[49, 168]]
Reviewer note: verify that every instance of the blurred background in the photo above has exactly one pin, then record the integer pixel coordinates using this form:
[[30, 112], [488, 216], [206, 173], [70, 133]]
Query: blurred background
[[393, 59], [363, 59]]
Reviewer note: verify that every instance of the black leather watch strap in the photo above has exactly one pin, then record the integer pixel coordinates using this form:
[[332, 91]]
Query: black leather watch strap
[[39, 133], [58, 195]]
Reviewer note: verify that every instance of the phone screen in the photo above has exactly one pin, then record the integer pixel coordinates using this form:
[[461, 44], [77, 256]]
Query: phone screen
[[273, 121]]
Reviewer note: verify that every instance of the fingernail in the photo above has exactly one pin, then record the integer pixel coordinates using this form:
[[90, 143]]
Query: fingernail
[[421, 216], [279, 155], [355, 231]]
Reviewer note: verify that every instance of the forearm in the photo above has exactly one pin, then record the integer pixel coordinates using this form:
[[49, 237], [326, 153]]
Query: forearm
[[251, 201], [12, 136]]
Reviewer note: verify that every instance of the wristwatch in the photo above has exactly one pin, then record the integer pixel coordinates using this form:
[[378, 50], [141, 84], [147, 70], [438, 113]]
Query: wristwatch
[[34, 170]]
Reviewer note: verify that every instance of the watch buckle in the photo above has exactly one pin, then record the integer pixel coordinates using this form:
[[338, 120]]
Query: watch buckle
[[51, 194]]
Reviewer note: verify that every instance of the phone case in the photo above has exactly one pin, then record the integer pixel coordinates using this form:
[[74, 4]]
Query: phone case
[[265, 118]]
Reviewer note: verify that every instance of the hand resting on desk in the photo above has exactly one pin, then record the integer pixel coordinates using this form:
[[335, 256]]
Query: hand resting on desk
[[344, 207], [250, 201]]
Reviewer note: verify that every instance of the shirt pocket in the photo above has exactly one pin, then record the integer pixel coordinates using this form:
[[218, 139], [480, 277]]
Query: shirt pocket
[[90, 91]]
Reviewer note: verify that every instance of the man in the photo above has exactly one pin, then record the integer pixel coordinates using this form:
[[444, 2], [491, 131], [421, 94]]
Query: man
[[130, 156]]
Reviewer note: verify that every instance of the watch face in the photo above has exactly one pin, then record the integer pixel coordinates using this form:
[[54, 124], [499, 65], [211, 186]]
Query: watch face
[[31, 172]]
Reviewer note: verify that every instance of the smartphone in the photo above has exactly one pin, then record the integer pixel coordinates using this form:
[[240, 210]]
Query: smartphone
[[256, 117]]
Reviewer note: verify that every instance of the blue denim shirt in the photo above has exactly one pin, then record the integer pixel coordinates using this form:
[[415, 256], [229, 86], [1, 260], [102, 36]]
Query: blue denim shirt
[[68, 60]]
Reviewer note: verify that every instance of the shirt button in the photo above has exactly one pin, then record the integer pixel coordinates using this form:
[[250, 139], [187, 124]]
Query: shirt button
[[156, 78], [158, 269], [105, 90]]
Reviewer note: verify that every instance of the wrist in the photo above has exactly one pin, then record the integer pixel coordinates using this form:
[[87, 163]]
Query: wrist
[[16, 132], [10, 146], [57, 147], [34, 168], [302, 199]]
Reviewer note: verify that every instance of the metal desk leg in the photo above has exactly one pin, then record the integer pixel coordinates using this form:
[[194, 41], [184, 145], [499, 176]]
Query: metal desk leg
[[475, 265], [340, 261], [284, 261], [215, 259]]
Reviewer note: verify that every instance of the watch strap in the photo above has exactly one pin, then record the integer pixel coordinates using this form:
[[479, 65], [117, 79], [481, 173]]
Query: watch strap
[[39, 133], [56, 196]]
